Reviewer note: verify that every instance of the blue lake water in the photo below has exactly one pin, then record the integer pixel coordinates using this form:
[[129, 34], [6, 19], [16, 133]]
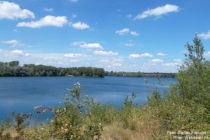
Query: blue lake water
[[22, 94]]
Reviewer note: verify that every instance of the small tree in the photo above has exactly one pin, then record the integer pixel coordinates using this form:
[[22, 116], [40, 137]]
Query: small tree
[[194, 75], [190, 97]]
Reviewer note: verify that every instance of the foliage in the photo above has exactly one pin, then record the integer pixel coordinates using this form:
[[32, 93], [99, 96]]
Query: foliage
[[19, 124], [141, 74], [186, 106], [13, 69], [76, 119], [128, 113]]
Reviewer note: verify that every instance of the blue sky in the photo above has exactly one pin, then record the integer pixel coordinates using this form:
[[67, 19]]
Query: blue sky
[[118, 35]]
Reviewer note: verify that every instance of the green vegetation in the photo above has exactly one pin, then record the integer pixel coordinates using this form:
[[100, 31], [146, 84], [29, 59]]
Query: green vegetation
[[13, 69], [185, 108], [142, 74]]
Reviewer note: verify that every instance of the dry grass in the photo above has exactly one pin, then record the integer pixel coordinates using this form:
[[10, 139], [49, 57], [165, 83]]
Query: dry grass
[[145, 129]]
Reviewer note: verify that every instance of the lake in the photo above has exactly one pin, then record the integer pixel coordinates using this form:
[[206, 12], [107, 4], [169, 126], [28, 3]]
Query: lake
[[22, 94]]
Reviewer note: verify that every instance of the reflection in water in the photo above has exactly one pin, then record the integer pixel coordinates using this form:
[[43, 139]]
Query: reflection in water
[[22, 94]]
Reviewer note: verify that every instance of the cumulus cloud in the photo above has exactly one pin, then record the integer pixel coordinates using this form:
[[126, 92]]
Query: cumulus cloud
[[126, 31], [205, 35], [174, 63], [123, 31], [57, 21], [10, 10], [158, 11], [12, 54], [17, 52], [15, 43], [156, 60], [80, 25], [61, 59], [134, 33], [88, 45], [55, 59], [73, 55], [110, 62], [105, 53], [140, 55], [170, 64], [117, 64], [161, 54]]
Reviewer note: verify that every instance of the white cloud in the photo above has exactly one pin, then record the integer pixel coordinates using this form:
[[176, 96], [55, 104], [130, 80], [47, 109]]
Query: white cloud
[[117, 64], [114, 63], [73, 1], [129, 44], [126, 31], [174, 63], [88, 45], [158, 11], [14, 54], [134, 33], [17, 52], [205, 35], [156, 60], [55, 59], [10, 10], [15, 43], [73, 55], [161, 54], [59, 59], [80, 25], [170, 64], [105, 53], [48, 9], [57, 21], [140, 55], [123, 31], [134, 56], [110, 62]]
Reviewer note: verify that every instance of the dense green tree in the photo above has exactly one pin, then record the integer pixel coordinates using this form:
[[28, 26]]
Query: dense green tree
[[186, 106], [13, 69], [194, 75], [14, 63], [141, 74]]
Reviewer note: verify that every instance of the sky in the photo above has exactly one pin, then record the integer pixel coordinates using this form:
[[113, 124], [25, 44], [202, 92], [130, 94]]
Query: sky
[[117, 35]]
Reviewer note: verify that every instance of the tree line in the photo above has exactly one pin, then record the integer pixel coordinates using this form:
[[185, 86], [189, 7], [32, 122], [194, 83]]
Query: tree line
[[141, 74], [11, 69]]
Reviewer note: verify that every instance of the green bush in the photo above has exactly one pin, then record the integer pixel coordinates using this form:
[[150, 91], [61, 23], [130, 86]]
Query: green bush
[[186, 106]]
